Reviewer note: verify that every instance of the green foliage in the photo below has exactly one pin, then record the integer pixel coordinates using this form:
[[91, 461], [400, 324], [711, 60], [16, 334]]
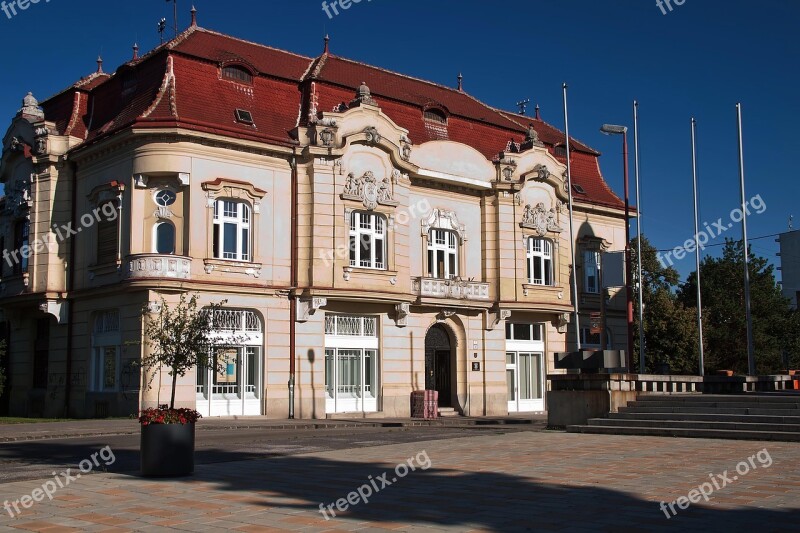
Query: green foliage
[[670, 327], [775, 325], [181, 338]]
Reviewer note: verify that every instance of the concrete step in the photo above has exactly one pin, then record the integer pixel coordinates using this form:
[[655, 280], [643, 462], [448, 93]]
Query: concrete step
[[744, 404], [734, 398], [707, 410], [688, 433], [710, 417], [693, 424], [447, 412]]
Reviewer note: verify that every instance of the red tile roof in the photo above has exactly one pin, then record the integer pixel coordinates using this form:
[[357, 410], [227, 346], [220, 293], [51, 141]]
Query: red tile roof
[[179, 84]]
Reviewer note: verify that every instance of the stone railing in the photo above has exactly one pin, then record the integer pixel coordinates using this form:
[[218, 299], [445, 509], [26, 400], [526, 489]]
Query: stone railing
[[143, 266], [455, 289]]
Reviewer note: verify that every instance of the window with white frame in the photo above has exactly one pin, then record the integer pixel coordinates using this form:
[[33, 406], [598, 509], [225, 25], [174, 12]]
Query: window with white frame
[[351, 362], [232, 230], [516, 331], [106, 343], [442, 254], [540, 261], [235, 372], [368, 240], [591, 271]]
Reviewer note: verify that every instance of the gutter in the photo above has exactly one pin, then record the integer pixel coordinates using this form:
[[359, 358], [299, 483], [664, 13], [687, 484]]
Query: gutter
[[293, 287]]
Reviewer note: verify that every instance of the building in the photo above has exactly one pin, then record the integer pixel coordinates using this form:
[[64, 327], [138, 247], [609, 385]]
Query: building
[[393, 234], [790, 265]]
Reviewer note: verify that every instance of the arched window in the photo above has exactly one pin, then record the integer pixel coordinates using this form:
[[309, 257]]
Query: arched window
[[232, 230], [368, 240], [237, 73], [442, 254], [164, 238], [540, 261]]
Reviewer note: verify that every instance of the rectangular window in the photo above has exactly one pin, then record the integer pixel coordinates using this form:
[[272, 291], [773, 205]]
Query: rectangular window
[[368, 240], [442, 254], [591, 269], [106, 368], [21, 241], [107, 239], [231, 235], [523, 332], [540, 261], [589, 339]]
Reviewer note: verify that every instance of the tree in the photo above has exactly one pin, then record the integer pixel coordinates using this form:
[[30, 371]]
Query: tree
[[775, 325], [671, 333], [182, 338]]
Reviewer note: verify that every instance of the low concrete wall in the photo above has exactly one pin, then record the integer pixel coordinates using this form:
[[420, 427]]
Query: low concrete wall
[[575, 398]]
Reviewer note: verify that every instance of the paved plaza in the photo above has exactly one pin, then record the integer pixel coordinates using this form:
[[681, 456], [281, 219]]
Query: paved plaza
[[543, 481]]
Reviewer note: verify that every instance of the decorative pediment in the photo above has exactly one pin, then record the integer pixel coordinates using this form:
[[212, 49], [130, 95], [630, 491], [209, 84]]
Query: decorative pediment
[[541, 220], [234, 189], [106, 192], [444, 219], [369, 190]]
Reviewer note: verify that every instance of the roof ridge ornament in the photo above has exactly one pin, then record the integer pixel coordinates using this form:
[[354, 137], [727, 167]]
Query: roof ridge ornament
[[363, 96], [30, 107]]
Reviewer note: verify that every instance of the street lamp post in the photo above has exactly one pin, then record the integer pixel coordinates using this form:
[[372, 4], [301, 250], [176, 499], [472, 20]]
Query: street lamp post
[[610, 129]]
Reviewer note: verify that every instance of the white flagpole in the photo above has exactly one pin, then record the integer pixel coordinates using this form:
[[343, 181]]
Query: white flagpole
[[642, 360], [751, 358], [697, 245], [571, 226]]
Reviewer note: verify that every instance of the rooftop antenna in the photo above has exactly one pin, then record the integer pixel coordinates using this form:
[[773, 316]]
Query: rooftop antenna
[[522, 105], [460, 82], [162, 25], [791, 223]]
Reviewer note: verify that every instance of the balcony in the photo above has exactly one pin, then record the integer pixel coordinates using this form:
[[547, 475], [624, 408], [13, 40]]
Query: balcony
[[453, 289], [149, 266]]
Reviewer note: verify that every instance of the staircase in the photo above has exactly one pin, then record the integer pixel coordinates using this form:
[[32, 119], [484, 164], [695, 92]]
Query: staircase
[[446, 412], [750, 416]]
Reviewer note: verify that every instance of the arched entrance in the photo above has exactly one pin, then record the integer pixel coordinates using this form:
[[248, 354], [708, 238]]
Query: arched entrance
[[439, 367]]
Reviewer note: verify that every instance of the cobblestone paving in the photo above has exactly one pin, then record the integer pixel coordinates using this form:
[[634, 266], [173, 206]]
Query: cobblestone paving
[[543, 481]]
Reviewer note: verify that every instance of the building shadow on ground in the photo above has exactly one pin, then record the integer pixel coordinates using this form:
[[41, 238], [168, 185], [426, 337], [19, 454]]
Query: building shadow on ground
[[432, 497]]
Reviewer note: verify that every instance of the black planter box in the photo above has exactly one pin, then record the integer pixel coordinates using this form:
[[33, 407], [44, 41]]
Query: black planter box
[[167, 450]]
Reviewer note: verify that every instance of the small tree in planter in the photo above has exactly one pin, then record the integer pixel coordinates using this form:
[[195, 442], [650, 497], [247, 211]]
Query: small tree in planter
[[180, 339]]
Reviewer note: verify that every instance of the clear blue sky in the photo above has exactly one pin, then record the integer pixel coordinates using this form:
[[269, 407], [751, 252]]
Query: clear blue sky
[[698, 60]]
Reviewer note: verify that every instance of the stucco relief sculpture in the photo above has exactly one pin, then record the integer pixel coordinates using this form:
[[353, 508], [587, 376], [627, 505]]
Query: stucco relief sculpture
[[540, 219], [369, 190]]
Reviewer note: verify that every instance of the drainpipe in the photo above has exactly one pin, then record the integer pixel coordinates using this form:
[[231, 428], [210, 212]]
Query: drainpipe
[[69, 288], [293, 283]]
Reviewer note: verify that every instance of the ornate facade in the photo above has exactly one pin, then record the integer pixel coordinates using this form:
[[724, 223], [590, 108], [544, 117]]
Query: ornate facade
[[386, 242]]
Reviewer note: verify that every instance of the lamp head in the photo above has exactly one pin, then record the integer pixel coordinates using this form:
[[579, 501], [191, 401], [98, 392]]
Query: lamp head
[[612, 129]]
